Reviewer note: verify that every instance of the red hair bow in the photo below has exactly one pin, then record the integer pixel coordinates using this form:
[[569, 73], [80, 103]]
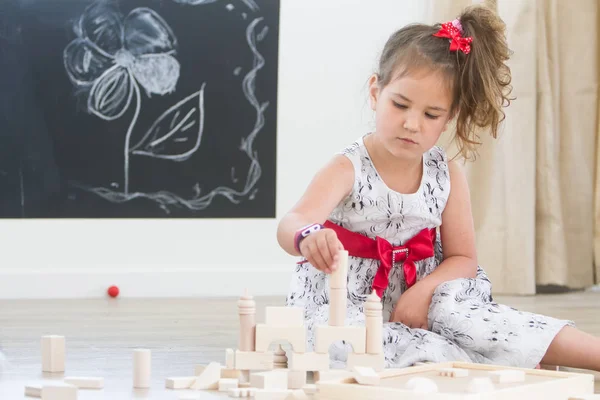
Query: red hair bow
[[454, 33]]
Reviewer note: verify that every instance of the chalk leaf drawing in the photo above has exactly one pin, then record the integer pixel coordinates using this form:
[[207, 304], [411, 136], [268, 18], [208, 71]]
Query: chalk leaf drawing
[[110, 59], [177, 133], [113, 56]]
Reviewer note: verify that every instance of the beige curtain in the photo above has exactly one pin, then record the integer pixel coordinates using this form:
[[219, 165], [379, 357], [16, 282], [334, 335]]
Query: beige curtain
[[532, 188]]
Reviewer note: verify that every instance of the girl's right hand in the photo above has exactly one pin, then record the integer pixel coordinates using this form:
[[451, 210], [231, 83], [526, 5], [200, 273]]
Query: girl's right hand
[[321, 249]]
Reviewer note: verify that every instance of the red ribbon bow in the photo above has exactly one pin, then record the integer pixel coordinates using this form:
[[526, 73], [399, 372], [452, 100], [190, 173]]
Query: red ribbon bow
[[418, 248], [457, 42]]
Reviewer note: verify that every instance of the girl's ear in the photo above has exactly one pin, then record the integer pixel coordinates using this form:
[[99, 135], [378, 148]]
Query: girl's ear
[[373, 91]]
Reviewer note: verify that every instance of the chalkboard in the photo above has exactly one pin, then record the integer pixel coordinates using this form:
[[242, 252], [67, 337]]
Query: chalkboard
[[138, 108]]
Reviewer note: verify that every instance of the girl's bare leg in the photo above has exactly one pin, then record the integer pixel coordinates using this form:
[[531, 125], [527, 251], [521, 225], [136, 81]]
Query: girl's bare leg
[[574, 348]]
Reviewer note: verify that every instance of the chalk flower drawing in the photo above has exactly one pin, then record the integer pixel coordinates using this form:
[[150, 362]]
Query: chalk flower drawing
[[113, 56]]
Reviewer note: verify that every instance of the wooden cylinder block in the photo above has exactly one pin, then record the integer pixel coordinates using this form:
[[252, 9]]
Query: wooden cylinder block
[[338, 301]]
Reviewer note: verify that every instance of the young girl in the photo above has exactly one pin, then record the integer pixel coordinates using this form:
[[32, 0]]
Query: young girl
[[401, 209]]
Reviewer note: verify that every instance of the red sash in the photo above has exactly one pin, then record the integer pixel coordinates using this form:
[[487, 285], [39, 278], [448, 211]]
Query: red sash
[[418, 248]]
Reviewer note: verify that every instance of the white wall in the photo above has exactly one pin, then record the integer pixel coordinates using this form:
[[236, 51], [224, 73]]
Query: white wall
[[327, 50]]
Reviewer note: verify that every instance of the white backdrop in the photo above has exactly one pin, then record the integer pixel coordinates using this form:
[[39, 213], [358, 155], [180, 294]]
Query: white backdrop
[[327, 49]]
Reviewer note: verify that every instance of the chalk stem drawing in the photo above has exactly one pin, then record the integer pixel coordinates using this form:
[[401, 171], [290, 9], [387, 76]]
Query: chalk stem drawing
[[113, 56]]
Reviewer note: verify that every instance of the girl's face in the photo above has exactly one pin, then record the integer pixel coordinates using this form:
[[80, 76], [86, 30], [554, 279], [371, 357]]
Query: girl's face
[[411, 112]]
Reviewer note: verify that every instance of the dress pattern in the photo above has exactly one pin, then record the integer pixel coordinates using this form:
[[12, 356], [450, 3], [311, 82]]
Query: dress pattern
[[465, 324]]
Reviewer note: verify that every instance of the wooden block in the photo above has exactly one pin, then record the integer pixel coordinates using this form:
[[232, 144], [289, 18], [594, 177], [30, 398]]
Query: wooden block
[[284, 316], [227, 373], [375, 361], [310, 388], [454, 372], [227, 383], [271, 394], [308, 361], [507, 376], [296, 379], [33, 390], [339, 278], [297, 395], [242, 392], [209, 378], [180, 382], [85, 382], [267, 334], [338, 304], [250, 360], [326, 335], [422, 385], [59, 391], [229, 358], [141, 368], [480, 385], [198, 369], [331, 375], [53, 353], [276, 379], [365, 376]]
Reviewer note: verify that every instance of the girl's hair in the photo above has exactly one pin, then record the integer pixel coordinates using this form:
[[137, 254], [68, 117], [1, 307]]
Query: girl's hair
[[479, 81]]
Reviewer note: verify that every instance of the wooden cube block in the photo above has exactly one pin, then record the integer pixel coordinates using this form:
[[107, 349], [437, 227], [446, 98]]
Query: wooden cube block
[[59, 391], [325, 335], [250, 360], [365, 376], [284, 316], [276, 379], [308, 361], [53, 353]]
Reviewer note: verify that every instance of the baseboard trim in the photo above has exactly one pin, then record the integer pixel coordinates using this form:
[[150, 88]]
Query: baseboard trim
[[172, 282]]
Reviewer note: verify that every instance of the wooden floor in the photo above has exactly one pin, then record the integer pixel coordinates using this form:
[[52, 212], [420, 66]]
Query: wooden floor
[[101, 335]]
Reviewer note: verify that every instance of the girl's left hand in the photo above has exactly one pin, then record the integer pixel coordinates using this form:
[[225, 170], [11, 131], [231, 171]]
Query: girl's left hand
[[412, 307]]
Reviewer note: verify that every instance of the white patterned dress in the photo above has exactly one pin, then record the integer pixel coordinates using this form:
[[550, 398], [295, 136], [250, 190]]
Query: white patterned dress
[[465, 324]]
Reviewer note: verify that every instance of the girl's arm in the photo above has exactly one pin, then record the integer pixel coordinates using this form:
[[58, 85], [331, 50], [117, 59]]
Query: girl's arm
[[329, 186], [457, 234]]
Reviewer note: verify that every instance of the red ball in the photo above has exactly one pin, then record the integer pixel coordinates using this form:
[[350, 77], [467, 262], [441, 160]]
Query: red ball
[[113, 291]]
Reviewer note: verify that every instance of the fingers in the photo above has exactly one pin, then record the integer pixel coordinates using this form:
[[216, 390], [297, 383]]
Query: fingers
[[315, 258], [325, 250], [321, 250], [334, 246]]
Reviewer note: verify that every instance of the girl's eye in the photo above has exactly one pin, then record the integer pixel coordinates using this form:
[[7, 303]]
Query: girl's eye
[[398, 105], [431, 116]]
